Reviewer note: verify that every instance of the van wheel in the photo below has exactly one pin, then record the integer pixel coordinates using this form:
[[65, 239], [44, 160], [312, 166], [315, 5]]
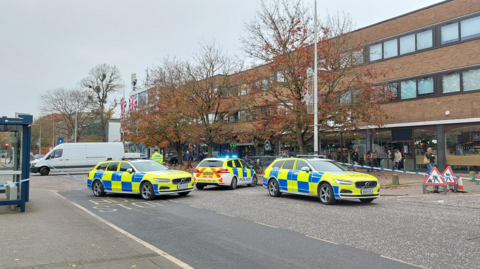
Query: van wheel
[[44, 171], [146, 189], [97, 188]]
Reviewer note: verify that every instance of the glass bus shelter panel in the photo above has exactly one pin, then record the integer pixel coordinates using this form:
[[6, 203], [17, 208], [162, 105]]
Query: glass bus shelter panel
[[11, 139]]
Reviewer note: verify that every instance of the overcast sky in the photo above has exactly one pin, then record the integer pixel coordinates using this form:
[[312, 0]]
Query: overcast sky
[[46, 44]]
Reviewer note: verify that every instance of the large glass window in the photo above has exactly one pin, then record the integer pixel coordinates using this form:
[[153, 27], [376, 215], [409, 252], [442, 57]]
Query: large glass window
[[470, 28], [462, 148], [409, 89], [449, 33], [471, 80], [425, 86], [424, 40], [424, 139], [390, 48], [451, 83], [375, 52], [382, 143], [407, 44], [393, 89]]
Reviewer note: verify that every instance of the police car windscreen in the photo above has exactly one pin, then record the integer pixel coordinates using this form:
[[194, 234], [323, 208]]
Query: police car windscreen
[[211, 164], [148, 166], [327, 166]]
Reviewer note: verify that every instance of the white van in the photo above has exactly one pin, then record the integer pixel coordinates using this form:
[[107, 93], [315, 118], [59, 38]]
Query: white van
[[135, 156], [73, 157]]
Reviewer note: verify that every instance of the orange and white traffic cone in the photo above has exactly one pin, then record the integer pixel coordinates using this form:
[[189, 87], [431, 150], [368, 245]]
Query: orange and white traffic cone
[[460, 183]]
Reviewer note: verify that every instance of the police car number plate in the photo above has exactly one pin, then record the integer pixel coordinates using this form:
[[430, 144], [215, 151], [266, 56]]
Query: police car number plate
[[182, 186], [207, 174], [367, 191]]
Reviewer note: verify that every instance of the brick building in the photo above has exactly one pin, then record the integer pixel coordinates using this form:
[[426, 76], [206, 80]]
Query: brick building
[[435, 55]]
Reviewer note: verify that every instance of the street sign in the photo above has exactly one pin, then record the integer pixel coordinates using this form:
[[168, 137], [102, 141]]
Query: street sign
[[59, 140], [449, 176], [434, 178]]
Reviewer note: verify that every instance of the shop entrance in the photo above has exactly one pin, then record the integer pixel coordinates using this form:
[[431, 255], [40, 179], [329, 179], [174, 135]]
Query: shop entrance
[[407, 150]]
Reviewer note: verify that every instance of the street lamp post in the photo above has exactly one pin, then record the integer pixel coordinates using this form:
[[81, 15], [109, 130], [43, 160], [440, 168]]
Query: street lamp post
[[315, 90], [76, 123]]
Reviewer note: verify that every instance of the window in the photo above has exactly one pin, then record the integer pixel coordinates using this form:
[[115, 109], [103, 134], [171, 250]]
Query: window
[[237, 164], [242, 115], [113, 167], [409, 89], [300, 164], [375, 52], [230, 164], [102, 166], [280, 77], [390, 48], [244, 164], [124, 166], [424, 40], [265, 84], [449, 33], [288, 164], [471, 80], [327, 166], [407, 44], [346, 97], [470, 28], [148, 166], [211, 163], [451, 83], [277, 164], [393, 89], [357, 57], [425, 86]]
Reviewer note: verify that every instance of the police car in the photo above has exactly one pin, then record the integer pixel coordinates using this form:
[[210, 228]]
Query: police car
[[145, 177], [324, 178], [229, 172]]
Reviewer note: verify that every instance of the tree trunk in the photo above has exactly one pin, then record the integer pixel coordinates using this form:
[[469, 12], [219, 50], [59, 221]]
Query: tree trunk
[[301, 146], [210, 151], [179, 153]]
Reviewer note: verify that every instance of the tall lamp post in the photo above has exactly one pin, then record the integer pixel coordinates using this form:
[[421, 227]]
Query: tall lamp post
[[315, 90]]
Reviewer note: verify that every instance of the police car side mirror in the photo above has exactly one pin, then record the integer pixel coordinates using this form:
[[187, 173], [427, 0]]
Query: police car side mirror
[[306, 169], [130, 170]]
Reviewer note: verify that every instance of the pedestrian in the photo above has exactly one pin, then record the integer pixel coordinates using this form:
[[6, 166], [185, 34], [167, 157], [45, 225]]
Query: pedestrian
[[397, 159], [368, 159], [375, 159], [190, 159], [285, 154], [355, 158], [429, 160]]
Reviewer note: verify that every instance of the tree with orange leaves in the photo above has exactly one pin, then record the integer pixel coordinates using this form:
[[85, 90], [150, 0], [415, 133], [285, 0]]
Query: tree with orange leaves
[[282, 35]]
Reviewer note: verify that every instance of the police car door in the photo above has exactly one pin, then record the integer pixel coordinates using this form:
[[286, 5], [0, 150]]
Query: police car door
[[302, 176], [247, 171], [240, 174]]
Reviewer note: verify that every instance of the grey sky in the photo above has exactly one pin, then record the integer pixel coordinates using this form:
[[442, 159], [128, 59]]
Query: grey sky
[[45, 44]]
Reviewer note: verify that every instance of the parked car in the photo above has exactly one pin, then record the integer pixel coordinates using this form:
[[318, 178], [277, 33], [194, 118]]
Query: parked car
[[71, 157], [228, 172]]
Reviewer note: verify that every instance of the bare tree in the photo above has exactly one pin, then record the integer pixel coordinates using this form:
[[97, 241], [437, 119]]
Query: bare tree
[[73, 104], [104, 80]]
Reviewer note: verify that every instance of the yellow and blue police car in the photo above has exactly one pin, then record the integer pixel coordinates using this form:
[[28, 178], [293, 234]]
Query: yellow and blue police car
[[146, 177], [229, 172], [324, 178]]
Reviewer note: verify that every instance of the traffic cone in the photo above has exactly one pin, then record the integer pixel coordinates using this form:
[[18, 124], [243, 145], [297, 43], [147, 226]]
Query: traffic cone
[[460, 183]]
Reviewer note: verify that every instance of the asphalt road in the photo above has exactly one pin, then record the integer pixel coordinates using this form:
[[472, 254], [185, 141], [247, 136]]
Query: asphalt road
[[246, 228]]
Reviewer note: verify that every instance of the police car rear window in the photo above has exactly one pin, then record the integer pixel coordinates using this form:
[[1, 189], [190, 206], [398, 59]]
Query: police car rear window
[[211, 164], [102, 166]]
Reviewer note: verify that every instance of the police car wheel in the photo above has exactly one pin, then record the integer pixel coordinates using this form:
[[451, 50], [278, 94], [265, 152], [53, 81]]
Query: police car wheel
[[146, 189], [367, 200], [233, 184], [254, 181], [183, 193], [97, 189], [44, 171], [200, 187], [325, 193], [273, 189]]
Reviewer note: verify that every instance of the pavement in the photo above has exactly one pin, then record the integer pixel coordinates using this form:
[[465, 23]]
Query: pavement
[[65, 226], [54, 233]]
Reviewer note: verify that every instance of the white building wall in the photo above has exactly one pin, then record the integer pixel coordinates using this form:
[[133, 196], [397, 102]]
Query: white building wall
[[114, 134]]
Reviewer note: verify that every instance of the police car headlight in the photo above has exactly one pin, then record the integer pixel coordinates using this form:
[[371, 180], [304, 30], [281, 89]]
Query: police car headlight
[[161, 179], [343, 182]]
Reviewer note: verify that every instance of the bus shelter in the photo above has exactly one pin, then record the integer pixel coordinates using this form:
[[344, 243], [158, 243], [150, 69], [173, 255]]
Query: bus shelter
[[15, 135]]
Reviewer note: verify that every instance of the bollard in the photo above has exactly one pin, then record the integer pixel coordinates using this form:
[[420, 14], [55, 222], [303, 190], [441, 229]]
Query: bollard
[[395, 180]]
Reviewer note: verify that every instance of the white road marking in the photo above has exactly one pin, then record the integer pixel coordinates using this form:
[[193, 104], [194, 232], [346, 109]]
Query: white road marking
[[224, 214], [195, 206], [131, 236], [397, 260], [266, 225], [173, 201], [331, 242]]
